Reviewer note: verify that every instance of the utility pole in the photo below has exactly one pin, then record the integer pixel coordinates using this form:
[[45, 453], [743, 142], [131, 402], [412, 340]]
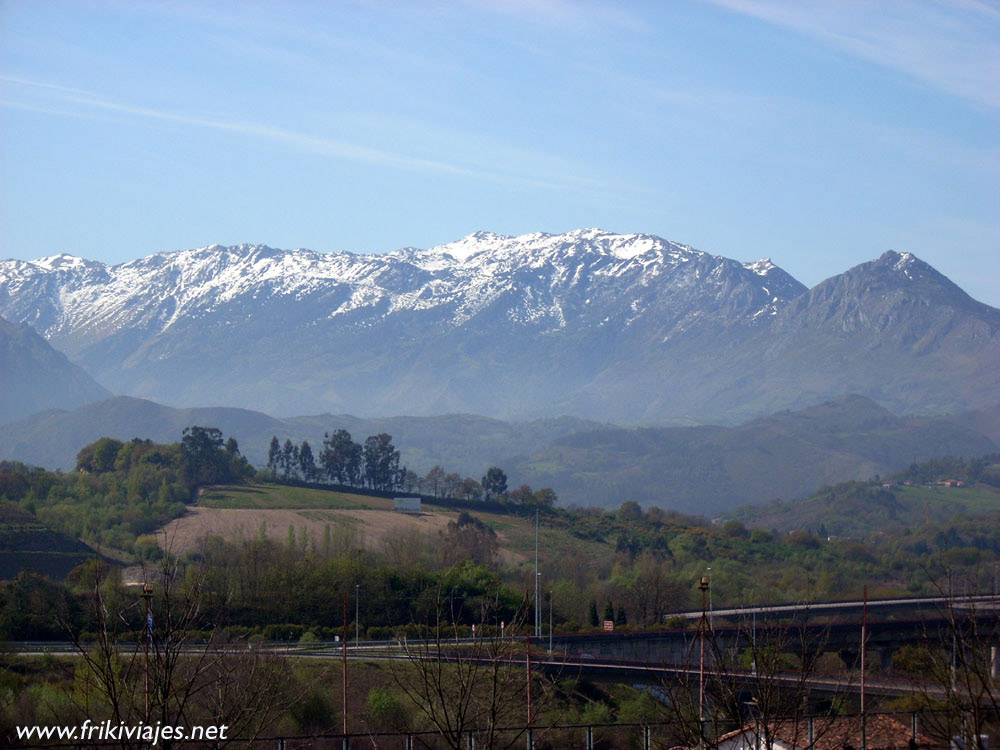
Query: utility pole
[[864, 645], [550, 623], [703, 586], [538, 614], [147, 594], [527, 661], [344, 652]]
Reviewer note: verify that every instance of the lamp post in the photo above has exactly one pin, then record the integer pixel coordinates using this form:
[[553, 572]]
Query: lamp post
[[709, 574]]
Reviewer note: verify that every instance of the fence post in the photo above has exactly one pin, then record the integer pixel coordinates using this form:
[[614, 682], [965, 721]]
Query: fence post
[[645, 737], [281, 744], [530, 739], [347, 743], [409, 742], [590, 738], [470, 741], [864, 732], [812, 733]]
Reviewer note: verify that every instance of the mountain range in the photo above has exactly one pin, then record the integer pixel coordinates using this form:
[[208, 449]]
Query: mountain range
[[603, 326]]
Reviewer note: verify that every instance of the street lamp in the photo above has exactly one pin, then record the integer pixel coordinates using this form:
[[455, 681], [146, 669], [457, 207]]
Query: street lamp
[[703, 586], [710, 624]]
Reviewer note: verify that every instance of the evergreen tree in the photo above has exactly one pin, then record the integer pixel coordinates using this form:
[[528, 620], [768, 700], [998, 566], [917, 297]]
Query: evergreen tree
[[620, 618], [381, 462], [307, 463], [289, 459], [609, 612], [274, 456], [592, 615]]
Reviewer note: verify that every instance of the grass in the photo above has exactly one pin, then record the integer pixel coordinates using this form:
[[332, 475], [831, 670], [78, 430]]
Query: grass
[[518, 532], [976, 499], [276, 496]]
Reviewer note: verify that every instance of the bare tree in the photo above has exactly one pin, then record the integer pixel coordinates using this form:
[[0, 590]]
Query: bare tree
[[958, 665], [181, 672], [757, 674], [474, 686]]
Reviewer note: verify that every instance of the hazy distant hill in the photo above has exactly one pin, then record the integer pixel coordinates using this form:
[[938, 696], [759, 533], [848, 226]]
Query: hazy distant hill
[[34, 376], [704, 470], [460, 442], [698, 470], [626, 328]]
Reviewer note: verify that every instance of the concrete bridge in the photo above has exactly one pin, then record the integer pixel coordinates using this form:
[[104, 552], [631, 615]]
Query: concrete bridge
[[681, 646]]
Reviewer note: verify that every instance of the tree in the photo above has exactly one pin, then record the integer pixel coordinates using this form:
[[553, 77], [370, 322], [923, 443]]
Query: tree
[[471, 489], [494, 483], [475, 690], [189, 684], [468, 538], [763, 663], [434, 480], [306, 462], [956, 668], [341, 458], [205, 460], [289, 459], [99, 456], [381, 461], [592, 614], [274, 456]]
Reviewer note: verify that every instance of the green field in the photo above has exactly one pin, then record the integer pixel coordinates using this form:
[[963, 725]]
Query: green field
[[980, 498]]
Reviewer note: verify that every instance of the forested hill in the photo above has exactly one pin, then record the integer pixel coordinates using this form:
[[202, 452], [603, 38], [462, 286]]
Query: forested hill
[[692, 469], [706, 470], [931, 492]]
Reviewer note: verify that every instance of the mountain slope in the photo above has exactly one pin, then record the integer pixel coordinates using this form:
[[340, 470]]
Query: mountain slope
[[461, 327], [705, 470], [37, 377], [624, 328]]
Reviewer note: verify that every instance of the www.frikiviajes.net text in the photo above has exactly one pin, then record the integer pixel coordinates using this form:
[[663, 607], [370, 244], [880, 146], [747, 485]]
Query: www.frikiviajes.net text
[[108, 731]]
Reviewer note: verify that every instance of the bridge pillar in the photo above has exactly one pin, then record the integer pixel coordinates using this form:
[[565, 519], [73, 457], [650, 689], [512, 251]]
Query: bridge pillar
[[850, 657], [885, 659]]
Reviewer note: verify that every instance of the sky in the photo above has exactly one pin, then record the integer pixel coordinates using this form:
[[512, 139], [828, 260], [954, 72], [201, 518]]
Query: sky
[[819, 133]]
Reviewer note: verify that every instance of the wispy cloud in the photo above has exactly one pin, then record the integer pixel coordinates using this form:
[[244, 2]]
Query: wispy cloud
[[319, 145], [951, 45]]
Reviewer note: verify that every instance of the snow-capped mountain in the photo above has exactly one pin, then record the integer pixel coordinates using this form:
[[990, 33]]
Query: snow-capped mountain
[[605, 325]]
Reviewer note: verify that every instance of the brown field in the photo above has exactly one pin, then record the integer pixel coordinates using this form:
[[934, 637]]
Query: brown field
[[367, 528], [370, 529]]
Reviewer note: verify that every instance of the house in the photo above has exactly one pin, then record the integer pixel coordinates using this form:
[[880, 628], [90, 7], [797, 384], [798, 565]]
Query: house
[[951, 483], [828, 733]]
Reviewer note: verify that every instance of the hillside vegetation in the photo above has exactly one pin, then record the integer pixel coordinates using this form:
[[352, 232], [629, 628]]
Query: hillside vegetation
[[923, 495]]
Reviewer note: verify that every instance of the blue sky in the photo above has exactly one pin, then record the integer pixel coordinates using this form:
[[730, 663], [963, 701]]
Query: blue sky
[[819, 134]]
